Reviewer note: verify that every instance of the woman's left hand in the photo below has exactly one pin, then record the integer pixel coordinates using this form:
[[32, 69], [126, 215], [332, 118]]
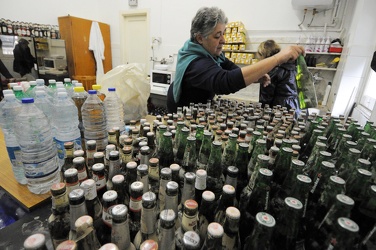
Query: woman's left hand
[[265, 80]]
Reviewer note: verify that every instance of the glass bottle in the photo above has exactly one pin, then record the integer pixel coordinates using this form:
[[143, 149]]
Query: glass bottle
[[172, 199], [254, 200], [71, 179], [109, 200], [322, 156], [348, 167], [166, 236], [262, 162], [200, 185], [296, 168], [148, 220], [282, 165], [77, 208], [334, 186], [326, 169], [319, 146], [93, 204], [346, 148], [261, 235], [213, 238], [149, 245], [357, 185], [166, 176], [206, 215], [191, 241], [260, 149], [190, 155], [153, 175], [142, 175], [120, 235], [91, 148], [188, 191], [135, 207], [199, 137], [288, 225], [80, 165], [86, 238], [229, 152], [188, 222], [99, 176], [67, 245], [118, 182], [215, 177], [344, 236], [166, 154], [227, 199], [203, 155], [130, 176], [181, 146], [179, 126], [68, 160], [58, 222], [241, 162], [365, 216], [232, 173], [231, 238]]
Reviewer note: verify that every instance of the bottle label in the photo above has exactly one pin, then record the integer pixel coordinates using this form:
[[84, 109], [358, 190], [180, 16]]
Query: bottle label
[[91, 192], [82, 175], [107, 216], [154, 173], [14, 154], [135, 205], [41, 169], [228, 242], [61, 149], [189, 223], [100, 181], [60, 200], [90, 155]]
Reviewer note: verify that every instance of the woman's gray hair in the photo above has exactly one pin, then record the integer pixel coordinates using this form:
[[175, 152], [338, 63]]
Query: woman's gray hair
[[206, 20]]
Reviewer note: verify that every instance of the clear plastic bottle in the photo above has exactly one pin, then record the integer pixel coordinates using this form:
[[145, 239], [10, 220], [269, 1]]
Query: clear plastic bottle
[[68, 86], [98, 88], [94, 120], [8, 110], [65, 118], [51, 88], [30, 92], [39, 154], [114, 110], [79, 96], [43, 101]]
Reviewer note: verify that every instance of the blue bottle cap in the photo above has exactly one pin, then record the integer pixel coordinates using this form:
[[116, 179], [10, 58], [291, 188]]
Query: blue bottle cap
[[111, 89], [28, 100], [92, 92]]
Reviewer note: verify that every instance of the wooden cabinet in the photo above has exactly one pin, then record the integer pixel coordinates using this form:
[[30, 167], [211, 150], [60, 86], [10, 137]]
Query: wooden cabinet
[[76, 33]]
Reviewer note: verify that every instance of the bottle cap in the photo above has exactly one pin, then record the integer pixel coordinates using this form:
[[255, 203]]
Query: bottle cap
[[189, 177], [118, 179], [166, 173], [304, 178], [167, 216], [110, 195], [172, 188], [76, 194], [83, 223], [111, 89], [137, 186], [228, 189], [344, 199], [149, 245], [348, 224], [149, 200], [70, 172], [97, 167], [215, 230], [67, 245], [233, 213], [109, 246], [27, 100], [78, 160], [174, 167], [232, 171], [96, 87], [58, 189], [265, 219], [131, 165], [143, 169], [293, 203], [114, 155], [92, 92], [35, 241], [119, 211], [78, 153], [68, 145], [78, 89]]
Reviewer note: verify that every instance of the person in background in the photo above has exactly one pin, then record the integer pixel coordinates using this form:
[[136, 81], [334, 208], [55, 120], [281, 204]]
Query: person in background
[[23, 60], [202, 70], [282, 89], [4, 72]]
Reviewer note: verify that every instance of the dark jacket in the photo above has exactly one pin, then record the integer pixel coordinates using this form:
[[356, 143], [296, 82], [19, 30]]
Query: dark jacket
[[23, 59], [203, 79], [282, 90], [4, 71]]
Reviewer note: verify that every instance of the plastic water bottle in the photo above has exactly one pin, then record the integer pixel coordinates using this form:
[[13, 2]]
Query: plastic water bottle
[[51, 89], [79, 96], [98, 88], [94, 120], [114, 110], [65, 116], [43, 101], [18, 92], [30, 92], [38, 150], [68, 86], [9, 109]]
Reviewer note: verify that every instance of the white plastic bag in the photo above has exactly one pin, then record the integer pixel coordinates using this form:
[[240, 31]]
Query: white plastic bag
[[132, 87]]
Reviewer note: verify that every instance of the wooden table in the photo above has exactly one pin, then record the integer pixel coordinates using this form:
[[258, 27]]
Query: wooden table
[[17, 191]]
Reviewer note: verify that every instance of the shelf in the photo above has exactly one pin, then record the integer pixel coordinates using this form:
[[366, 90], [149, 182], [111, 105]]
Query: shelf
[[323, 53], [322, 68]]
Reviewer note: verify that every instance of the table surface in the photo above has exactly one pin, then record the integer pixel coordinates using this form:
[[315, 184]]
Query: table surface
[[17, 191]]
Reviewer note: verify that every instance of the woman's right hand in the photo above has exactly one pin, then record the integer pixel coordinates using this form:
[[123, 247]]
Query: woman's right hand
[[290, 53]]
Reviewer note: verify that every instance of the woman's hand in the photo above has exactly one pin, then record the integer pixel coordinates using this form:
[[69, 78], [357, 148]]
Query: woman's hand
[[289, 53], [265, 80]]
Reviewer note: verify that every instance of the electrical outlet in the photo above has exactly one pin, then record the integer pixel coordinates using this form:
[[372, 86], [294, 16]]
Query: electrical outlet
[[156, 39], [132, 2]]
